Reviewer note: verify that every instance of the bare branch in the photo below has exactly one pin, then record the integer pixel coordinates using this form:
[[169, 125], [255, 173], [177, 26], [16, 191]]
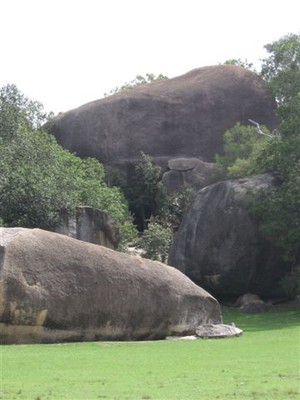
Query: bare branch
[[259, 129], [274, 133]]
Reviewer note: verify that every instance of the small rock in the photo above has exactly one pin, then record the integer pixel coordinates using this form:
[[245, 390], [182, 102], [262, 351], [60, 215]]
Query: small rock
[[256, 307], [218, 331], [246, 298]]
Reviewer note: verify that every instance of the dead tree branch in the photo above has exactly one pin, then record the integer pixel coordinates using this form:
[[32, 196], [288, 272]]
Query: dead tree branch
[[274, 134]]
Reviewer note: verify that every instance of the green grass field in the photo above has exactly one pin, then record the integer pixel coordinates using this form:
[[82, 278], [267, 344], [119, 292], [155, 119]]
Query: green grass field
[[261, 364]]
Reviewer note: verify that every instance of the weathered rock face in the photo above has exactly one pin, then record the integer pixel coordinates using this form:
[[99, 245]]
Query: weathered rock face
[[220, 247], [91, 225], [54, 288], [180, 117], [190, 172]]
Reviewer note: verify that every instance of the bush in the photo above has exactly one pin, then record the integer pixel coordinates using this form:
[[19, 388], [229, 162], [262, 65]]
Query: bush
[[242, 145], [290, 283], [156, 241], [39, 179]]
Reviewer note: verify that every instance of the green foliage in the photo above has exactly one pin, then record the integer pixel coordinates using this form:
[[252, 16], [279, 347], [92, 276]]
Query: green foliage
[[247, 153], [157, 214], [113, 177], [39, 179], [282, 68], [290, 283], [242, 146], [138, 81], [146, 194], [156, 241], [282, 71], [17, 111], [32, 183], [177, 205], [278, 212], [242, 63]]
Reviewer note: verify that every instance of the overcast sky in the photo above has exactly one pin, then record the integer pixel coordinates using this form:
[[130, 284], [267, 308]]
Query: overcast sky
[[65, 53]]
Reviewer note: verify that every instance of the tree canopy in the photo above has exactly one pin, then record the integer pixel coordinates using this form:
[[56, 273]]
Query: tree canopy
[[282, 72], [280, 212], [247, 153], [39, 179]]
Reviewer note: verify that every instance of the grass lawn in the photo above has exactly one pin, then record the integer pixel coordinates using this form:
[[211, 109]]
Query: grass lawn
[[261, 364]]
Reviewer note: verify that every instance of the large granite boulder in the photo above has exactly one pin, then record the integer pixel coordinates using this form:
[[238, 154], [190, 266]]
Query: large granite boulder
[[54, 288], [181, 117], [220, 247]]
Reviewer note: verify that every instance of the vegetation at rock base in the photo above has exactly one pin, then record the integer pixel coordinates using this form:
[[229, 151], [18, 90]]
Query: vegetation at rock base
[[39, 179], [158, 214], [178, 204], [145, 192], [262, 363], [156, 240]]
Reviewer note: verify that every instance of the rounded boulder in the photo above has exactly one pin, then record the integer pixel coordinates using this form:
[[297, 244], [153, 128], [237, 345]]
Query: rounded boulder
[[54, 288]]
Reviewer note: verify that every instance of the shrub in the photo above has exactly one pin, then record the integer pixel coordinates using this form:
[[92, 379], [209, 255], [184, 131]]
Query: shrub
[[156, 241]]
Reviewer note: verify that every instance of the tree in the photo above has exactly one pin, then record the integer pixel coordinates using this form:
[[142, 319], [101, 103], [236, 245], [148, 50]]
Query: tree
[[17, 110], [178, 203], [39, 179], [242, 145], [138, 81], [156, 241], [146, 194], [282, 72], [247, 153], [242, 63], [280, 212]]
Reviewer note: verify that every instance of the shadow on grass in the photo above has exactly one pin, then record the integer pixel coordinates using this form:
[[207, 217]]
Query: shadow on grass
[[277, 318]]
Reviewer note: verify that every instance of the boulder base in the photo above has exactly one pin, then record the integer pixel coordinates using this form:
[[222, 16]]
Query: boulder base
[[54, 288]]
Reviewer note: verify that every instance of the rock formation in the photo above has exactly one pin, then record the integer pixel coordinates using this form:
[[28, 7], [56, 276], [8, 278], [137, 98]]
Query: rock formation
[[181, 117], [219, 246], [54, 288], [190, 172], [91, 225]]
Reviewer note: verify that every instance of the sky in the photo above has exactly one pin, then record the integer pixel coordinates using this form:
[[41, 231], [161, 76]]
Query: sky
[[65, 53]]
